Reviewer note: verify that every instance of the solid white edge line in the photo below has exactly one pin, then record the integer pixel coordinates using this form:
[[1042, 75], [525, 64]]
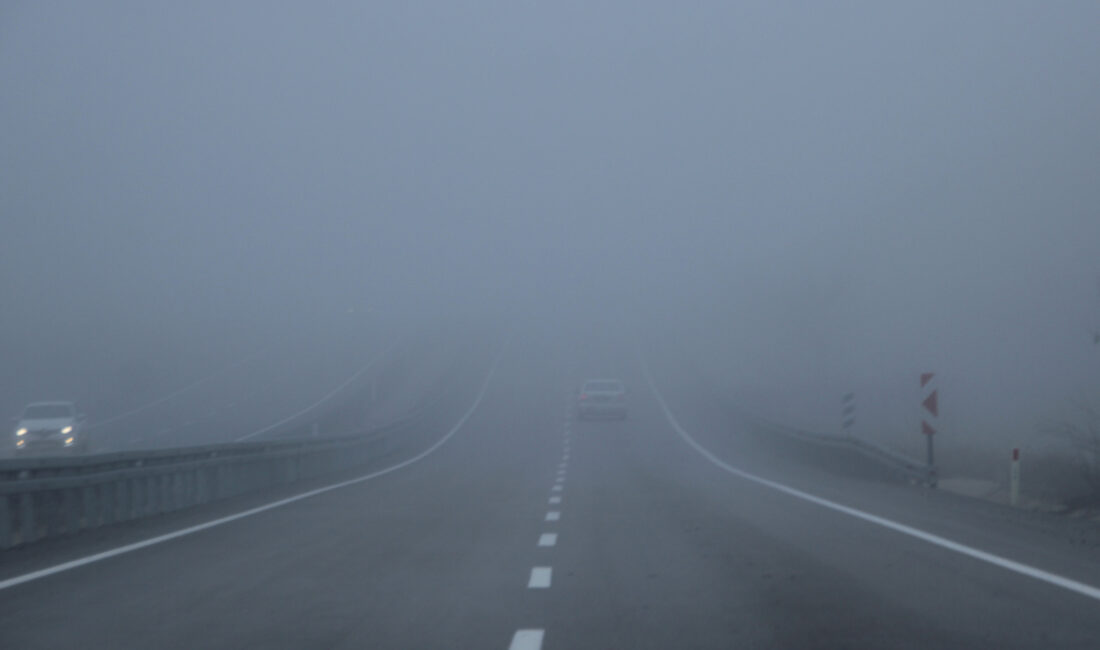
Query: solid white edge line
[[540, 577], [527, 640], [548, 539], [79, 562], [936, 540], [370, 364]]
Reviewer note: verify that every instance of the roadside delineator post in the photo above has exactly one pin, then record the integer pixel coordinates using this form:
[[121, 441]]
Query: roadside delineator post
[[930, 404], [1014, 479], [848, 413]]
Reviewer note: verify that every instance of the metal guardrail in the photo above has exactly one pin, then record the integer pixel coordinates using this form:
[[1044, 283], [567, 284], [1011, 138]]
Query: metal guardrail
[[49, 496], [914, 469], [46, 497]]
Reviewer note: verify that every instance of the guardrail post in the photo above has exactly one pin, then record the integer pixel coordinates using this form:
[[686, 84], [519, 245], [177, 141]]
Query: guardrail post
[[160, 482], [106, 502], [173, 491], [202, 487], [27, 525], [183, 489], [137, 496], [196, 485], [126, 499], [149, 488], [74, 509], [5, 522], [1014, 479], [221, 483], [91, 506], [54, 510], [155, 485]]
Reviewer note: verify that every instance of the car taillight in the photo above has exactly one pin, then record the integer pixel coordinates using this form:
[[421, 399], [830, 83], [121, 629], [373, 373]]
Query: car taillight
[[583, 396]]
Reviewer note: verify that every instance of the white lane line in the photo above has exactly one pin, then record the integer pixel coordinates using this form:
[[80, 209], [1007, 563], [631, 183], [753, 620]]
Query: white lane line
[[548, 539], [556, 488], [334, 391], [89, 559], [562, 465], [540, 577], [561, 472], [527, 640], [555, 500], [962, 549], [553, 515]]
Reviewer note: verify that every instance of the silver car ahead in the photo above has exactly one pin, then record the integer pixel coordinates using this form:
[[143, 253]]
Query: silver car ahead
[[601, 398], [50, 426]]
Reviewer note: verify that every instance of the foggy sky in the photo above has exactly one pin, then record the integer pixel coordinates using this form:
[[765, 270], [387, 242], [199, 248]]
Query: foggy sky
[[819, 196]]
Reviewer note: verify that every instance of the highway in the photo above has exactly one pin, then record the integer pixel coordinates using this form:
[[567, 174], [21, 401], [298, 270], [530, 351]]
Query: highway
[[512, 525]]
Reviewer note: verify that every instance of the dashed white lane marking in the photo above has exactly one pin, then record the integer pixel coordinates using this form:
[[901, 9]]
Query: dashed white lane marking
[[935, 540], [103, 555], [555, 500], [548, 539], [527, 640], [540, 577], [556, 488], [562, 465], [560, 479], [553, 515], [561, 472]]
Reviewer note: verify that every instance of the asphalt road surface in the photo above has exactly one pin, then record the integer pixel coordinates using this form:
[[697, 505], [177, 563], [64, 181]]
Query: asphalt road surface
[[527, 529]]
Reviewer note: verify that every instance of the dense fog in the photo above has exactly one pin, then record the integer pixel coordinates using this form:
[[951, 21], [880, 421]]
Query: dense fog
[[799, 200]]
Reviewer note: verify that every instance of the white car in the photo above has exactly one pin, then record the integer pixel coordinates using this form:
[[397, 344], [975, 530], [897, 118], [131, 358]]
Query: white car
[[50, 425], [601, 398]]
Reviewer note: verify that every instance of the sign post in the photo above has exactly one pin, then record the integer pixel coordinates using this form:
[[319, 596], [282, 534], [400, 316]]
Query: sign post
[[1014, 479], [930, 404], [848, 413]]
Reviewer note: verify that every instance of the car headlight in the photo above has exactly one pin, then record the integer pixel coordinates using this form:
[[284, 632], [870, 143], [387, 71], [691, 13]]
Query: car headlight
[[67, 430], [21, 431], [20, 443], [69, 441]]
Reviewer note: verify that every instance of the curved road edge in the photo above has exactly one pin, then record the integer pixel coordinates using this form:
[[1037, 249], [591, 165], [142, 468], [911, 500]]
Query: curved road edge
[[160, 539], [936, 540]]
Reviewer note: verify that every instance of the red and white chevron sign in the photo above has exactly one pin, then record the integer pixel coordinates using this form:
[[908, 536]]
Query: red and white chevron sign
[[930, 403]]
